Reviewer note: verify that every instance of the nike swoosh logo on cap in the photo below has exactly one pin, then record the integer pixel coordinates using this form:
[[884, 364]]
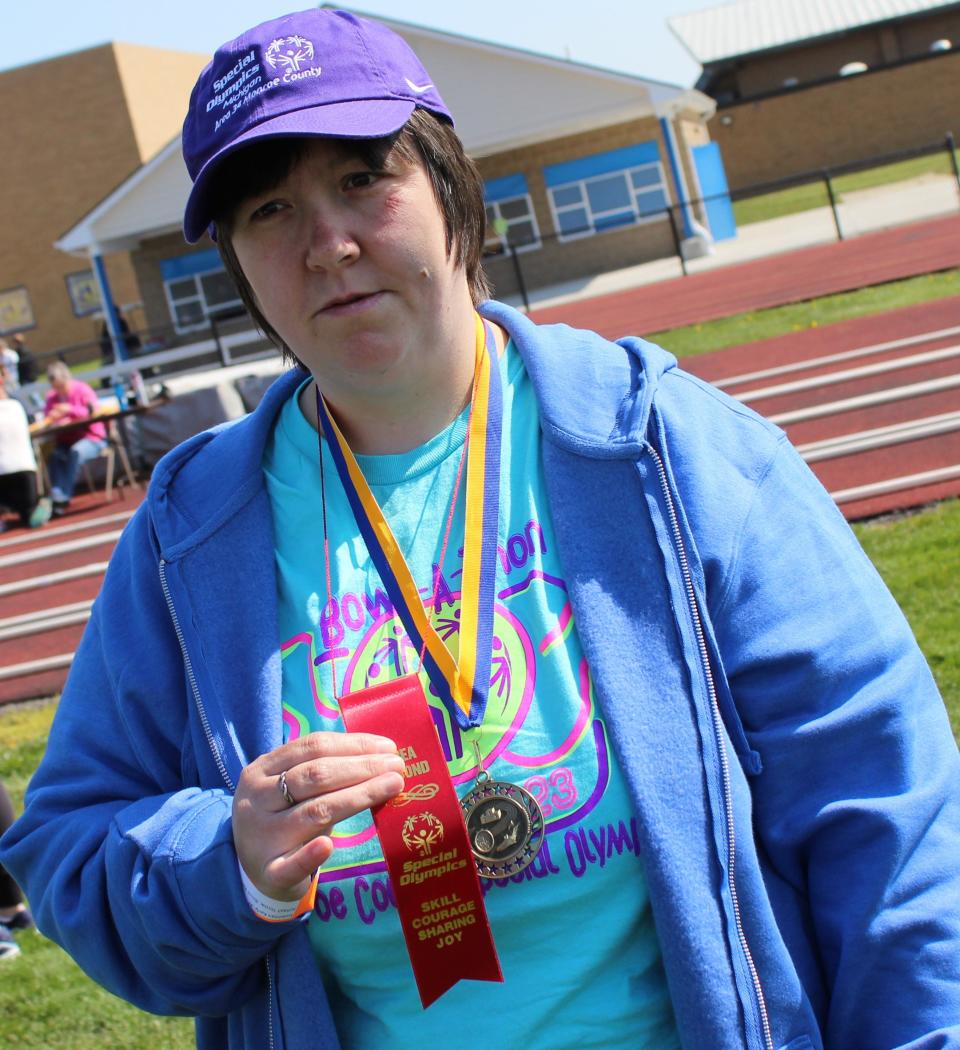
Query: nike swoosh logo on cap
[[419, 88]]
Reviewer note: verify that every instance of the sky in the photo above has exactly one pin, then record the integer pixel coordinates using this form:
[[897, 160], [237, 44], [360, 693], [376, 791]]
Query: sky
[[630, 36]]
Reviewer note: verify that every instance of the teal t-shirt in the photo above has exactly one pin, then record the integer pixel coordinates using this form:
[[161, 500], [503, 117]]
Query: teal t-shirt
[[574, 931]]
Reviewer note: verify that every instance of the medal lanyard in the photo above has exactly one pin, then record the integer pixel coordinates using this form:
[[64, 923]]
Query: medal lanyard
[[463, 689]]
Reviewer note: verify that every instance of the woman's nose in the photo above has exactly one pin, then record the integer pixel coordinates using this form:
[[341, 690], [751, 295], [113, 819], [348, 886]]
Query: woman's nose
[[330, 245]]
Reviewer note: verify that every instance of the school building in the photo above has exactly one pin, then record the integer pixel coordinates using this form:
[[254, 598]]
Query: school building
[[804, 86], [582, 169]]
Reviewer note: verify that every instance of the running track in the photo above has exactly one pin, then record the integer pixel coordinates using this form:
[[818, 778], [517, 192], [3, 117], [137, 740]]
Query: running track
[[892, 380], [825, 269]]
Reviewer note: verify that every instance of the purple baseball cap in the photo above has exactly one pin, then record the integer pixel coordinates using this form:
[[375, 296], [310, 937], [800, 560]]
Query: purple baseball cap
[[316, 72]]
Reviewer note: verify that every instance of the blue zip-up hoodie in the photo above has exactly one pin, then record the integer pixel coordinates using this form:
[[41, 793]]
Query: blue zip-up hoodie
[[791, 764]]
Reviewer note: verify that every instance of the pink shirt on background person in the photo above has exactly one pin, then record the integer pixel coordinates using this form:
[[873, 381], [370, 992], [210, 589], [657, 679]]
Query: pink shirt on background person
[[82, 401]]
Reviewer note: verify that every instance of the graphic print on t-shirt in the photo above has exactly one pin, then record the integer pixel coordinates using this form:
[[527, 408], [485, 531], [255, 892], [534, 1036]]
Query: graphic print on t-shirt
[[539, 751]]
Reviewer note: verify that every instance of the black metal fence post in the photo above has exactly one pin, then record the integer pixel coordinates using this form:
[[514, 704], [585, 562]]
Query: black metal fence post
[[215, 332], [676, 240], [833, 203], [952, 154], [518, 270]]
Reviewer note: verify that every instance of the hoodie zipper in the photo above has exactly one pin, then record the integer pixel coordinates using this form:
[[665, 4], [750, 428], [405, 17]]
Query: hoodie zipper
[[270, 998], [717, 721], [205, 722], [188, 664]]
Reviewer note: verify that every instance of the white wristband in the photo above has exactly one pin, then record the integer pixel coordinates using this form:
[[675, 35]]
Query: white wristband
[[265, 907]]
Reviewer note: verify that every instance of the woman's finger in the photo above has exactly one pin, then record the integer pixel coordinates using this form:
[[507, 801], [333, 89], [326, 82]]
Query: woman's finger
[[320, 776], [320, 814], [279, 854], [322, 745], [293, 871]]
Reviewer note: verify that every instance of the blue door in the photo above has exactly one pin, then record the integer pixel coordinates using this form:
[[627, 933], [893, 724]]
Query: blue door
[[715, 191]]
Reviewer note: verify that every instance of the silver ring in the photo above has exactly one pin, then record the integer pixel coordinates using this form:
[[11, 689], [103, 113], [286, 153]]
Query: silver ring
[[284, 790]]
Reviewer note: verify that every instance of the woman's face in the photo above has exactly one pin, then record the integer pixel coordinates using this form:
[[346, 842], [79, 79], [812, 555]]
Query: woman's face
[[350, 267]]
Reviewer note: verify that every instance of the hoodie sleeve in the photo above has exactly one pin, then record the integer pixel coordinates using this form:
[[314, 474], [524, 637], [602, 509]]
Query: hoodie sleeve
[[133, 873], [857, 807]]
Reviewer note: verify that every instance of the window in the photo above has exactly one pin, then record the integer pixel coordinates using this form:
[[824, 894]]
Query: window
[[197, 287], [510, 217], [607, 190]]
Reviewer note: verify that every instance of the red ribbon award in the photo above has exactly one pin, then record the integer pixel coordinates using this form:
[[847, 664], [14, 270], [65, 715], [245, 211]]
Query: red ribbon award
[[425, 844]]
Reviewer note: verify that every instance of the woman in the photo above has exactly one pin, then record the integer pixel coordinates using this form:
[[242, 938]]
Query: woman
[[18, 464], [9, 365], [70, 400], [664, 634]]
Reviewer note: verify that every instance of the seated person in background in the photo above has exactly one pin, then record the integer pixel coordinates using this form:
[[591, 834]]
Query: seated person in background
[[9, 362], [70, 399], [18, 466]]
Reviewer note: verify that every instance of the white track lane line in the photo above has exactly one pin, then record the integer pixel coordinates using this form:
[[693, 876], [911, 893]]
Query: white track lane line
[[95, 568], [879, 437], [47, 663], [38, 553], [908, 481], [53, 531], [830, 359], [45, 614], [878, 397], [832, 378], [38, 627]]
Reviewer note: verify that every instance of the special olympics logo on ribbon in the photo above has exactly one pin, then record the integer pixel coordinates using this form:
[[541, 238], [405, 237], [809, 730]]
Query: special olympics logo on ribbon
[[290, 52], [421, 832]]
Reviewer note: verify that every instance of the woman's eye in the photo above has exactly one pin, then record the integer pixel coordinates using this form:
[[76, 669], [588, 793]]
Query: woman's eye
[[359, 179], [266, 209]]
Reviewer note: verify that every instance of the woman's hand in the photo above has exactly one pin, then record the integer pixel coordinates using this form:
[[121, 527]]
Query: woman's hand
[[59, 412], [330, 776]]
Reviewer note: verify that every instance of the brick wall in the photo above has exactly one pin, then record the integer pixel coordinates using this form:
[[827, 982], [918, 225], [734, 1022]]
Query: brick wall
[[67, 141], [874, 45], [844, 121], [812, 62]]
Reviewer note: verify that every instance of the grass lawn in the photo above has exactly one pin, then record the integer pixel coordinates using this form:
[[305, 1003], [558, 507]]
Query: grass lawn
[[918, 556], [814, 194], [794, 317], [46, 1001]]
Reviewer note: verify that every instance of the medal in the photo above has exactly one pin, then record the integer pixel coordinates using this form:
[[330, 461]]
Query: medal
[[504, 825]]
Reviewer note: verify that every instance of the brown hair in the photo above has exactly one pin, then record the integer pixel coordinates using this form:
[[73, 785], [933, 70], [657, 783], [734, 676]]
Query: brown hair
[[456, 183]]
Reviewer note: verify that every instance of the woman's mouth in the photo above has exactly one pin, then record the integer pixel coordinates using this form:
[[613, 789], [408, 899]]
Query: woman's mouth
[[352, 302]]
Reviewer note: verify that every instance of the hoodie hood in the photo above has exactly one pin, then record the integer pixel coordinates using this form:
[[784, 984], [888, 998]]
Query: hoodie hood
[[591, 416]]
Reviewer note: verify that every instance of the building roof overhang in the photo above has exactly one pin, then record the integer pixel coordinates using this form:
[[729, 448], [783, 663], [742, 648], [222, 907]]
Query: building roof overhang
[[752, 27]]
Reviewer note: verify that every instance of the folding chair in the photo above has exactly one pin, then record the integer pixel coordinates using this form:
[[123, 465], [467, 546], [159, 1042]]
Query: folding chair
[[113, 448]]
